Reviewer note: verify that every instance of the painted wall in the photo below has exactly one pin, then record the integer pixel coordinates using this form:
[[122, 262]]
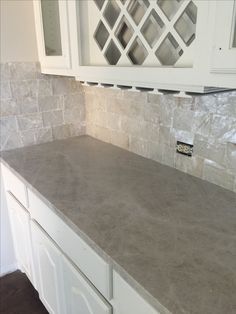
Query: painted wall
[[17, 31]]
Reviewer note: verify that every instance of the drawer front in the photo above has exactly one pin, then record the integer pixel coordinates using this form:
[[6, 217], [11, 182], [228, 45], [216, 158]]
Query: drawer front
[[127, 300], [15, 186], [84, 257]]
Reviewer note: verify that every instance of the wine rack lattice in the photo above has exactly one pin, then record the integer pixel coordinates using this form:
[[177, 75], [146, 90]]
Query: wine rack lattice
[[145, 32]]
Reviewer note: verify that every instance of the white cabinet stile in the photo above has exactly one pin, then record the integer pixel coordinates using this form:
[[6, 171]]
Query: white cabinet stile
[[20, 225]]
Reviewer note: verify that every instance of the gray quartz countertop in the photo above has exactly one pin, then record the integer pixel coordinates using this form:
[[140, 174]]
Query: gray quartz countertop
[[170, 235]]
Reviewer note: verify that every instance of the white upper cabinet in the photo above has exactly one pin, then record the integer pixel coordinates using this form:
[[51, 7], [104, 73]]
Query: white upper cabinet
[[159, 44], [224, 47], [53, 36]]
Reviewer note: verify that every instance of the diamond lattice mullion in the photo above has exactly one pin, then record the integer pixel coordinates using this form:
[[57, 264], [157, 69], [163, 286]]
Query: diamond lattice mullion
[[137, 30], [169, 25]]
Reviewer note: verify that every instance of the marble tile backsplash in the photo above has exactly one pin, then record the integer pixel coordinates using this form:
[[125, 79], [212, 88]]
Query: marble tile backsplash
[[150, 125], [37, 108]]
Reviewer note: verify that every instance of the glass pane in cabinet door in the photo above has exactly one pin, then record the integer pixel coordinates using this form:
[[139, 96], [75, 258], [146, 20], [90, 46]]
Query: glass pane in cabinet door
[[234, 27], [51, 27]]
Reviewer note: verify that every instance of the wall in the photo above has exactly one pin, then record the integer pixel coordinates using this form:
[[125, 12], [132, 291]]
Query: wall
[[17, 31], [38, 108], [150, 125]]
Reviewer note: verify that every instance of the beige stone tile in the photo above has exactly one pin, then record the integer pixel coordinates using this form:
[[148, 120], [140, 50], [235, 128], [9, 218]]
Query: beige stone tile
[[9, 107], [48, 103], [182, 136], [23, 70], [61, 86], [61, 131], [206, 103], [74, 115], [30, 121], [27, 137], [52, 118], [5, 90], [119, 139], [223, 129], [4, 72], [183, 120], [155, 151], [78, 128], [139, 147], [11, 141], [102, 134], [192, 165], [73, 101], [216, 174], [28, 104], [164, 135], [43, 135], [27, 88], [112, 121], [168, 155], [206, 150], [45, 88], [230, 157], [151, 112]]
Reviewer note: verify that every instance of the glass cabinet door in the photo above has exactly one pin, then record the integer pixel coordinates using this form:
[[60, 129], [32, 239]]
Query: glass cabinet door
[[234, 28], [51, 27]]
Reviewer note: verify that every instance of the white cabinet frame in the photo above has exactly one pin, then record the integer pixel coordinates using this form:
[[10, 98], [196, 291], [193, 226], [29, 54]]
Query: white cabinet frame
[[61, 65]]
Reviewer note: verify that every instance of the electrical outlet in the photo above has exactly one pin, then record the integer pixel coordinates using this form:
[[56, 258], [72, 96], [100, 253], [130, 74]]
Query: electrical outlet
[[184, 148]]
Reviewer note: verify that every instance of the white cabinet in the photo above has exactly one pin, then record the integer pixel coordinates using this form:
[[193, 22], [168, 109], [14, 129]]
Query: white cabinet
[[47, 263], [159, 44], [127, 300], [53, 36], [224, 46], [20, 225], [62, 288], [80, 296], [181, 45]]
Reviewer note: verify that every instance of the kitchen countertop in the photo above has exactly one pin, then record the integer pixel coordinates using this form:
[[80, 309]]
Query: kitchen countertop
[[170, 235]]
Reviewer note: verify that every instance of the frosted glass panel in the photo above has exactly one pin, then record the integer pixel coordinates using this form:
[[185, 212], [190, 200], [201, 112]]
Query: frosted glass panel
[[234, 28], [51, 27]]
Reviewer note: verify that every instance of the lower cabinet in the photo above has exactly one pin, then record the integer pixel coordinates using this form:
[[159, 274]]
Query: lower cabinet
[[62, 288], [80, 296], [20, 225], [48, 272]]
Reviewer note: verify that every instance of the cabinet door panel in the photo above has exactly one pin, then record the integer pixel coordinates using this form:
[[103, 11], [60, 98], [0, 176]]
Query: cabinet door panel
[[47, 259], [81, 297], [20, 224], [51, 22], [224, 50]]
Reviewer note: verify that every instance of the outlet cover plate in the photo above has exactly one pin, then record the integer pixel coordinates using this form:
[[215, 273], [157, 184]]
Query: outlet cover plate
[[184, 148]]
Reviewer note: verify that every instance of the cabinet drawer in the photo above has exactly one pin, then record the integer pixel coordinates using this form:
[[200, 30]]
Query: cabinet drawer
[[15, 186], [127, 300], [84, 257]]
